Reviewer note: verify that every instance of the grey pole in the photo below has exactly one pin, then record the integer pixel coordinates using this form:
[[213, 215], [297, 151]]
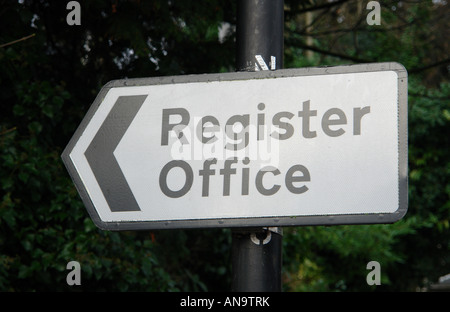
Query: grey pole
[[256, 260], [260, 26], [256, 252]]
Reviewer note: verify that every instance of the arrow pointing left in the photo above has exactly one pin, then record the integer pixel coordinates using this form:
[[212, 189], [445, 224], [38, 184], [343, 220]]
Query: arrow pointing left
[[100, 155]]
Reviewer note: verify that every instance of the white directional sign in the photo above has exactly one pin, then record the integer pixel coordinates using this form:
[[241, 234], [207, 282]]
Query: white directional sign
[[270, 148]]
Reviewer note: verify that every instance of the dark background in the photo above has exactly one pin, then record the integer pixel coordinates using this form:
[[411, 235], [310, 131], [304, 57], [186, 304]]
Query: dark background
[[50, 73]]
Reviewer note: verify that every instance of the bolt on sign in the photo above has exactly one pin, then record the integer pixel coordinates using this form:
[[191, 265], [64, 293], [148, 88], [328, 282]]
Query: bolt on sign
[[291, 147]]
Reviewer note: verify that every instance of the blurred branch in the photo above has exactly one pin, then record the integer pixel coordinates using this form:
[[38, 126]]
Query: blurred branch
[[8, 130], [16, 41], [420, 69], [361, 29], [297, 44], [323, 6], [411, 93]]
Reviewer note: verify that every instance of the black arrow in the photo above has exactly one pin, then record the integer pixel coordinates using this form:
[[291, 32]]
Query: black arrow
[[100, 155]]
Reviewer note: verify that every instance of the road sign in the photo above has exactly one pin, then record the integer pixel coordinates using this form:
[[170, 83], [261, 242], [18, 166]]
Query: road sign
[[290, 147]]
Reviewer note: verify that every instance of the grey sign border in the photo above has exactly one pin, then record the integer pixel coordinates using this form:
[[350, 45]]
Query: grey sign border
[[256, 221]]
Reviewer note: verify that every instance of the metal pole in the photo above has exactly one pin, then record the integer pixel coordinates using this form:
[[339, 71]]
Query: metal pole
[[256, 252], [259, 29], [256, 260]]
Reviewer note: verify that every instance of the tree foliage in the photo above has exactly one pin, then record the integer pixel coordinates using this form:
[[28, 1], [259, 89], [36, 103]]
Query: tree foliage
[[50, 73]]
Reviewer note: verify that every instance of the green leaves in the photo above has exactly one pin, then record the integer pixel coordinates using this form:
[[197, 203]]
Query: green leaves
[[334, 258], [47, 83], [410, 33]]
